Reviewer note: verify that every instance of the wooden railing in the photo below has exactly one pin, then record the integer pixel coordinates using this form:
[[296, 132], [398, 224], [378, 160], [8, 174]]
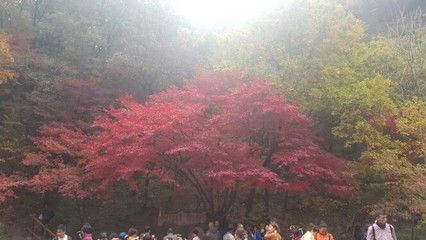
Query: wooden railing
[[38, 225], [180, 218]]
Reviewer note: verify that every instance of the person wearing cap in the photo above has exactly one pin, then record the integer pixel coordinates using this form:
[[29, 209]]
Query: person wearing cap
[[123, 236]]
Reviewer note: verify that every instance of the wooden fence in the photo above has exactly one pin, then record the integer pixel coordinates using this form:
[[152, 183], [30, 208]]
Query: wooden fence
[[180, 218]]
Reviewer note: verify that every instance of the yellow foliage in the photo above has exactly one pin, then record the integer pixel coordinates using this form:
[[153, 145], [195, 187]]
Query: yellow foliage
[[6, 61], [411, 125]]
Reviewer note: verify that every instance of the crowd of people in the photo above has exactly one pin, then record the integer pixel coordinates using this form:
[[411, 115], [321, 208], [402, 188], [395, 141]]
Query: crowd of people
[[380, 230]]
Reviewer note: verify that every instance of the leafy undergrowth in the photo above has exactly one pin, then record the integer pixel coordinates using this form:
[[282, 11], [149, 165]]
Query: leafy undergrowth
[[419, 234], [3, 234]]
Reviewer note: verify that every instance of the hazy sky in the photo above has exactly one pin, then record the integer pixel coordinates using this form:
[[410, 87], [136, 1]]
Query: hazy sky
[[213, 13]]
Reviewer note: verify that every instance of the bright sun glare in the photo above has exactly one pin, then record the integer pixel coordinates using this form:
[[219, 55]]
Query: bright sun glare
[[223, 13]]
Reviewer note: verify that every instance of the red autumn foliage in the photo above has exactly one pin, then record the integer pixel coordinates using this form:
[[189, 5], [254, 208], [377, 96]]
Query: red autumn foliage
[[220, 133], [58, 162], [55, 166]]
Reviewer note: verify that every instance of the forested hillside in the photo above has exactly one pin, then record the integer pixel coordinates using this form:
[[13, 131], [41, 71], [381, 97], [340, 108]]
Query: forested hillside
[[112, 110]]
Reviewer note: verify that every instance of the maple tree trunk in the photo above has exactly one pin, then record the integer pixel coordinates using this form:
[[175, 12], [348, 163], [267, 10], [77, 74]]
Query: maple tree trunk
[[232, 198], [250, 201], [266, 198], [145, 192], [267, 163], [225, 200], [285, 205], [81, 209]]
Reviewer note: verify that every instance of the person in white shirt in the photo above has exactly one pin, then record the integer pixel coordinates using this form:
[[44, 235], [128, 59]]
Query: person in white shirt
[[61, 233], [381, 230], [310, 233], [170, 235], [228, 236]]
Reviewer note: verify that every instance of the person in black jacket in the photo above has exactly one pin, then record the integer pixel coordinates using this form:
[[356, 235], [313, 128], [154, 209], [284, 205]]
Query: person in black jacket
[[46, 215]]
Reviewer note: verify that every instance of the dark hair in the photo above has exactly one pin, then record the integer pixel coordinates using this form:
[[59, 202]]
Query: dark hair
[[312, 226], [132, 231], [323, 225], [113, 235], [147, 236], [147, 229], [240, 233], [87, 228], [61, 227], [380, 213], [195, 231]]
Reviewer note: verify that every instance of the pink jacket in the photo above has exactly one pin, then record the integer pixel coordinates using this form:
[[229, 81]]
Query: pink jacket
[[88, 237]]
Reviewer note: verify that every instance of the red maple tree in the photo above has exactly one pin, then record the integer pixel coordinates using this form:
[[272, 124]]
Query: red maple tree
[[220, 133]]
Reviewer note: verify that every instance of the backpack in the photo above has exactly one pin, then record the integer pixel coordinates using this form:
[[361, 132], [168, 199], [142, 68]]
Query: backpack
[[374, 231]]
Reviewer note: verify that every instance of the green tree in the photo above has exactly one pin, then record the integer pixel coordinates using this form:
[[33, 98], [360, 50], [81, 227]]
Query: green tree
[[357, 92]]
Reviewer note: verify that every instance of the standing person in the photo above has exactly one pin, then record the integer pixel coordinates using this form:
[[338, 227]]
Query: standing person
[[114, 236], [240, 226], [213, 232], [61, 233], [229, 235], [123, 236], [258, 232], [381, 230], [46, 214], [254, 233], [170, 235], [195, 234], [323, 233], [271, 233], [274, 223], [296, 232], [86, 232], [220, 228], [262, 230], [133, 234], [361, 232], [103, 236], [147, 234], [241, 233], [310, 232], [217, 224]]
